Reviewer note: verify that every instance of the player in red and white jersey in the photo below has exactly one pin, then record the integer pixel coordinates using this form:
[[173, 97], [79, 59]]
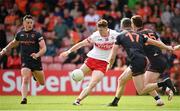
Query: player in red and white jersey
[[102, 41]]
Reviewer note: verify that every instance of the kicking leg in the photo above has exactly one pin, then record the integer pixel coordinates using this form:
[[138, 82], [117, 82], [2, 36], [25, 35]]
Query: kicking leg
[[86, 70], [96, 78]]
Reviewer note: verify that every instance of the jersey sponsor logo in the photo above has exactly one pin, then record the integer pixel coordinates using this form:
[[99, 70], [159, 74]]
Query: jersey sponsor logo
[[22, 35], [104, 46], [100, 39], [156, 54], [27, 42]]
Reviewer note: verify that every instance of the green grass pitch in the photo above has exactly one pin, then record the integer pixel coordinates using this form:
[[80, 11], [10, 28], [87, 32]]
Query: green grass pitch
[[91, 103]]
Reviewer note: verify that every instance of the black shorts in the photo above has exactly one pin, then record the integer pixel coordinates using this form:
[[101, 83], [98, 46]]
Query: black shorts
[[32, 64], [138, 65], [157, 64]]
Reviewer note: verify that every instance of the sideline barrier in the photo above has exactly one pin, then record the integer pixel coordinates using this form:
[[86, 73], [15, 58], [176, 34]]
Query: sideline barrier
[[60, 83]]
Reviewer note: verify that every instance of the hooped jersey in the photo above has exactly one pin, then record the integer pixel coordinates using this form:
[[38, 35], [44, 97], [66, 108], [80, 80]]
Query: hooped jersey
[[102, 45]]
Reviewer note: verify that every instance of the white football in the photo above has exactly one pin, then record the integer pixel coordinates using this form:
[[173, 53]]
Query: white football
[[77, 75]]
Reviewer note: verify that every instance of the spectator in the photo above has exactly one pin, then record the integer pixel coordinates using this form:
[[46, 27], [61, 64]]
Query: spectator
[[75, 36], [167, 35], [127, 12], [118, 19], [79, 19], [111, 21], [50, 21], [3, 14], [61, 29], [78, 5], [36, 7], [10, 18], [74, 12], [166, 16], [14, 61], [58, 12], [90, 19], [62, 4], [175, 21], [21, 4], [68, 19], [103, 4], [121, 4], [51, 48], [113, 9], [3, 43], [42, 17]]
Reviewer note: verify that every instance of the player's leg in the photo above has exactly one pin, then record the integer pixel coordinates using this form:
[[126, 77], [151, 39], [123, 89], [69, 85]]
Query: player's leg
[[122, 80], [26, 74], [143, 89], [152, 77], [158, 65], [86, 70], [39, 75], [96, 78], [138, 69]]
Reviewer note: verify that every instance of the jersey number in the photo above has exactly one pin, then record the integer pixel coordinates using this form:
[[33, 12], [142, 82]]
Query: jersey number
[[130, 35], [149, 35]]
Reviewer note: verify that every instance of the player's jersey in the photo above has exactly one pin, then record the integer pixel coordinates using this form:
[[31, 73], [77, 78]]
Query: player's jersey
[[132, 42], [102, 45], [29, 43], [151, 50]]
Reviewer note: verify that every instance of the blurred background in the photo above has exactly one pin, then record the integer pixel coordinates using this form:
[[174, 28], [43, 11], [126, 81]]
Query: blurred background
[[63, 23]]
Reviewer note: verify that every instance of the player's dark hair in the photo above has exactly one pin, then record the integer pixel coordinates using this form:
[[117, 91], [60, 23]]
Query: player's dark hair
[[126, 23], [137, 20], [27, 17], [102, 23]]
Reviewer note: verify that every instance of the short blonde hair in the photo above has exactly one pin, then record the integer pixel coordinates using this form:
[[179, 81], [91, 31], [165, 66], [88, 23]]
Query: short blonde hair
[[102, 23]]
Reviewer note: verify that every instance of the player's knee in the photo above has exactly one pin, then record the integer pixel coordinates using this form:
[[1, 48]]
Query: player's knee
[[42, 83], [141, 92], [121, 80], [25, 80]]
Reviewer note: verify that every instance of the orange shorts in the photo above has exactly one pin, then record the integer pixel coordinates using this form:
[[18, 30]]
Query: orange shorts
[[95, 64]]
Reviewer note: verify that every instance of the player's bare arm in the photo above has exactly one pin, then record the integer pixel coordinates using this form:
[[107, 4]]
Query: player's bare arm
[[112, 56], [177, 47], [42, 50], [159, 44], [74, 48], [12, 44]]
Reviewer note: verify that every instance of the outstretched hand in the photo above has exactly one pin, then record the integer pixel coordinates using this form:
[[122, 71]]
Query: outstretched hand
[[177, 47], [170, 48], [2, 52]]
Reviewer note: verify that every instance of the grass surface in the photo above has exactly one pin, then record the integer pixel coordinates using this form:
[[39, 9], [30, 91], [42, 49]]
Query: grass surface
[[92, 103]]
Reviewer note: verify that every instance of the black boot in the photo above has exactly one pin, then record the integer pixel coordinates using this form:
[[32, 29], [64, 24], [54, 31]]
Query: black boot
[[24, 101]]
